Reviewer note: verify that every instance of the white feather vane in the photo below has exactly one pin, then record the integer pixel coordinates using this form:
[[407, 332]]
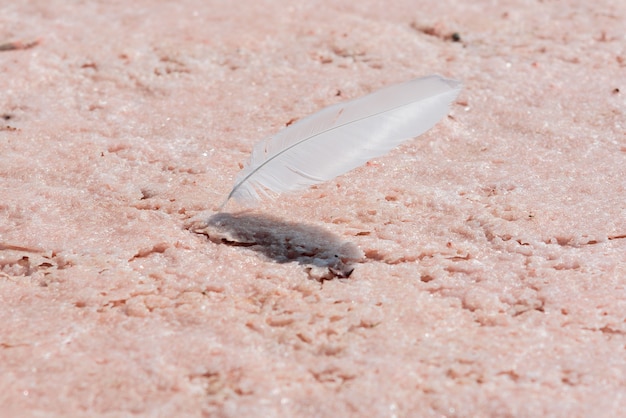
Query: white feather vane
[[342, 137]]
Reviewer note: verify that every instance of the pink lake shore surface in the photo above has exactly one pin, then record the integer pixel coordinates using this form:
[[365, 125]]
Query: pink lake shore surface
[[486, 259]]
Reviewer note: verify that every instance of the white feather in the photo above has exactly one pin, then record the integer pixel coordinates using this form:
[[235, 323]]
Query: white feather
[[342, 137]]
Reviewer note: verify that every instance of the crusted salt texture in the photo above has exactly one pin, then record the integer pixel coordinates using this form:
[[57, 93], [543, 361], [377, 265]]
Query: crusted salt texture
[[486, 259]]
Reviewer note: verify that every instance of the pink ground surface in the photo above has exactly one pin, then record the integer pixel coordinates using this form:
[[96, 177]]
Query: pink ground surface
[[489, 255]]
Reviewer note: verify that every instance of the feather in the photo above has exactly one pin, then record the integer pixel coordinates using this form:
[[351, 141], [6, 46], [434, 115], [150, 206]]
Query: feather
[[342, 137]]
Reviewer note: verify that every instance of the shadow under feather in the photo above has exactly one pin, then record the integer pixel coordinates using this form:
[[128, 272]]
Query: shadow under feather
[[324, 255]]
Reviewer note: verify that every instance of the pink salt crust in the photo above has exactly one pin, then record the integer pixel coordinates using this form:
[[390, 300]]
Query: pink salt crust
[[488, 256]]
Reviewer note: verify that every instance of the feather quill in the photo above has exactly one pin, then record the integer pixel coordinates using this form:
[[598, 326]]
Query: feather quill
[[342, 137]]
